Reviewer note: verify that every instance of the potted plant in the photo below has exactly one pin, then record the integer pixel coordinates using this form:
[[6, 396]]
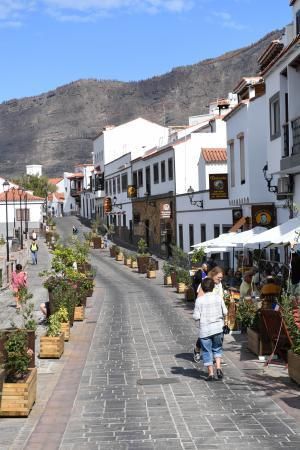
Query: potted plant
[[19, 387], [142, 256], [167, 270], [119, 254], [183, 280], [112, 250], [245, 314], [63, 316], [290, 310], [52, 345], [133, 264], [197, 256], [126, 258], [151, 271]]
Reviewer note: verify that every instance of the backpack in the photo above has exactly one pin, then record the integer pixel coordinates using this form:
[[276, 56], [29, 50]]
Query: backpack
[[34, 247]]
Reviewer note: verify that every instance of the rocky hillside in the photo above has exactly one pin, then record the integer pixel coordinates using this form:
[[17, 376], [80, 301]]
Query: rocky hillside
[[56, 128]]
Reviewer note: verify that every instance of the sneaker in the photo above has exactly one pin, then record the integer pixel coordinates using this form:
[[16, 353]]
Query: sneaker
[[209, 378], [197, 356], [219, 374]]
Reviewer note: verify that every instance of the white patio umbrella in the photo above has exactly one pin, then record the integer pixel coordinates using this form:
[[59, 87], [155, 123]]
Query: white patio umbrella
[[232, 240], [281, 235]]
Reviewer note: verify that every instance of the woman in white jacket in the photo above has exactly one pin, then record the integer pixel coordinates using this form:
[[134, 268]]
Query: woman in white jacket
[[210, 310]]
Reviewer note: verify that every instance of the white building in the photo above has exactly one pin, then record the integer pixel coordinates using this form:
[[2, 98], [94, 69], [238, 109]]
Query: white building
[[280, 67], [55, 201], [34, 169]]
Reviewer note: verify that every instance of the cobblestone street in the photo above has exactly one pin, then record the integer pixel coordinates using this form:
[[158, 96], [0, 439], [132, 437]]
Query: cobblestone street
[[127, 380]]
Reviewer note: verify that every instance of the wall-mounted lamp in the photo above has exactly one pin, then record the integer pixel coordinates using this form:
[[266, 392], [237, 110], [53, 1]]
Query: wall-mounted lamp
[[269, 179], [190, 193], [117, 205]]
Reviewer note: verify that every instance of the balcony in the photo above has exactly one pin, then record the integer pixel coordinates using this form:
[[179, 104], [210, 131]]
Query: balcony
[[296, 136], [75, 192]]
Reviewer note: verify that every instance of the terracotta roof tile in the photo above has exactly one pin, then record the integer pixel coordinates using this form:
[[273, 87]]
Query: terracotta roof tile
[[55, 180], [214, 154], [13, 195]]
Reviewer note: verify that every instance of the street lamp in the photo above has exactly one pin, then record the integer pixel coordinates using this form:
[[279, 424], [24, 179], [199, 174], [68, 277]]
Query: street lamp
[[6, 188], [20, 191], [190, 193]]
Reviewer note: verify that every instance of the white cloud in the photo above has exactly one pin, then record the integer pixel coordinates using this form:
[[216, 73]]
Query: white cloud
[[226, 20], [12, 11]]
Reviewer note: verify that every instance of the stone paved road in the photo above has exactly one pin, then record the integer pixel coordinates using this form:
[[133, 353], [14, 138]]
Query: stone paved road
[[128, 381]]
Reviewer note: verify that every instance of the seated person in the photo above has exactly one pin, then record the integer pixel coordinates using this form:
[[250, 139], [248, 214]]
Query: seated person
[[270, 287], [237, 279], [229, 279], [246, 286], [45, 309]]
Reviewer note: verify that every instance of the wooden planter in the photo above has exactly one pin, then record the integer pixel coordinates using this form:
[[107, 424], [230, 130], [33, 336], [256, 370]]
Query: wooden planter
[[51, 346], [112, 252], [17, 399], [294, 366], [143, 263], [65, 329], [151, 273], [168, 280], [180, 288], [119, 257], [189, 294], [133, 264], [258, 345], [79, 313], [97, 241], [173, 278], [127, 261]]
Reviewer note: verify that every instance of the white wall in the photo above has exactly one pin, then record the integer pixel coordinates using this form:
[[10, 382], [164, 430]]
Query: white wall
[[69, 203]]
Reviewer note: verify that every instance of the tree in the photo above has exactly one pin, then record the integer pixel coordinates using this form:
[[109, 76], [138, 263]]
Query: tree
[[39, 185]]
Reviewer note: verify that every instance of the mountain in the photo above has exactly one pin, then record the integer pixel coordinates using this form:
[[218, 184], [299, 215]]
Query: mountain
[[56, 129]]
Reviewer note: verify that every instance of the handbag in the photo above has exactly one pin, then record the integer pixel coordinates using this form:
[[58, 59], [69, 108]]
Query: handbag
[[226, 329]]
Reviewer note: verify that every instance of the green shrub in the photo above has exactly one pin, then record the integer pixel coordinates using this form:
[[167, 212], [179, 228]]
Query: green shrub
[[54, 325], [18, 355]]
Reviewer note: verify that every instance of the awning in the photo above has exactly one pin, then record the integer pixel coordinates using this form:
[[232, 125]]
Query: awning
[[232, 240], [281, 235]]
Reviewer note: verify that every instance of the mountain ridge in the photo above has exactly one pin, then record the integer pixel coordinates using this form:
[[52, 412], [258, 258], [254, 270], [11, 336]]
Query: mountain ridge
[[56, 128]]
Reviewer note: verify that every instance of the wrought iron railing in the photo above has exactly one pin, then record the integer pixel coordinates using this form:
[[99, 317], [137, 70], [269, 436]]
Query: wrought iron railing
[[296, 136], [286, 140]]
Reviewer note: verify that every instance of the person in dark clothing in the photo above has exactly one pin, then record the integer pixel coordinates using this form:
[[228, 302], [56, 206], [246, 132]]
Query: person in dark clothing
[[295, 272], [211, 263], [198, 277]]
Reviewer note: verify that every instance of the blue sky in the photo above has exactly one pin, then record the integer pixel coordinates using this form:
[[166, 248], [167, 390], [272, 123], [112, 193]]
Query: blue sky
[[48, 43]]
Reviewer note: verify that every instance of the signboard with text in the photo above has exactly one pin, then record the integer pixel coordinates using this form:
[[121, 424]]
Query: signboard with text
[[131, 191], [263, 216], [218, 186], [165, 211]]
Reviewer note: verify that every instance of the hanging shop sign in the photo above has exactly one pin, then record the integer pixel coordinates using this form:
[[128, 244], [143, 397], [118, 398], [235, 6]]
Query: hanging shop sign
[[107, 205], [218, 186], [131, 191], [263, 216], [165, 211]]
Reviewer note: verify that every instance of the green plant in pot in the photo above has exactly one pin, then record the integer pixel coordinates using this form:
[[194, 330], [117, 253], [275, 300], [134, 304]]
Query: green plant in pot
[[18, 356], [246, 314], [198, 255], [26, 311], [54, 325], [183, 276], [142, 256]]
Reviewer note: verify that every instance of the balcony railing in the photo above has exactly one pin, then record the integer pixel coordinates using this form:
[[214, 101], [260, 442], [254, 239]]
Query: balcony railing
[[296, 136], [286, 141], [75, 192]]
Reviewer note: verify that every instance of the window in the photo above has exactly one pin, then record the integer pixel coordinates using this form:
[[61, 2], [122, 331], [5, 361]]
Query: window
[[274, 117], [298, 22], [155, 173], [180, 235], [163, 171], [231, 156], [114, 185], [242, 160], [106, 187], [191, 234], [148, 180], [118, 185], [124, 182], [134, 178], [124, 220], [109, 186], [216, 231], [23, 214], [140, 177], [170, 168], [203, 233]]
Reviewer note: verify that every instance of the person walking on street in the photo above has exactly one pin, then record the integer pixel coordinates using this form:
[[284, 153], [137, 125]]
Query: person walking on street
[[33, 250], [210, 310], [33, 235], [18, 281]]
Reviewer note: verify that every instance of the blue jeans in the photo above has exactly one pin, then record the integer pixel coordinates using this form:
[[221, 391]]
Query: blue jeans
[[212, 348], [34, 257]]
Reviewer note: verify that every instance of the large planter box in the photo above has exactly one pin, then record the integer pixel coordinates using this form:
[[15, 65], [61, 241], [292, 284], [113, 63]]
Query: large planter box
[[189, 294], [151, 273], [51, 347], [4, 334], [97, 241], [65, 329], [173, 278], [143, 263], [119, 257], [180, 288], [258, 345], [112, 251], [133, 264], [84, 268], [294, 366], [167, 280], [79, 313], [17, 399]]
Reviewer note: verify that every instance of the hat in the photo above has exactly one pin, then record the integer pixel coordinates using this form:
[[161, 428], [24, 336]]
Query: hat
[[249, 273]]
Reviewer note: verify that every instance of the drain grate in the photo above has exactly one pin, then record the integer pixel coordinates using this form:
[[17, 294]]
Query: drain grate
[[154, 381]]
